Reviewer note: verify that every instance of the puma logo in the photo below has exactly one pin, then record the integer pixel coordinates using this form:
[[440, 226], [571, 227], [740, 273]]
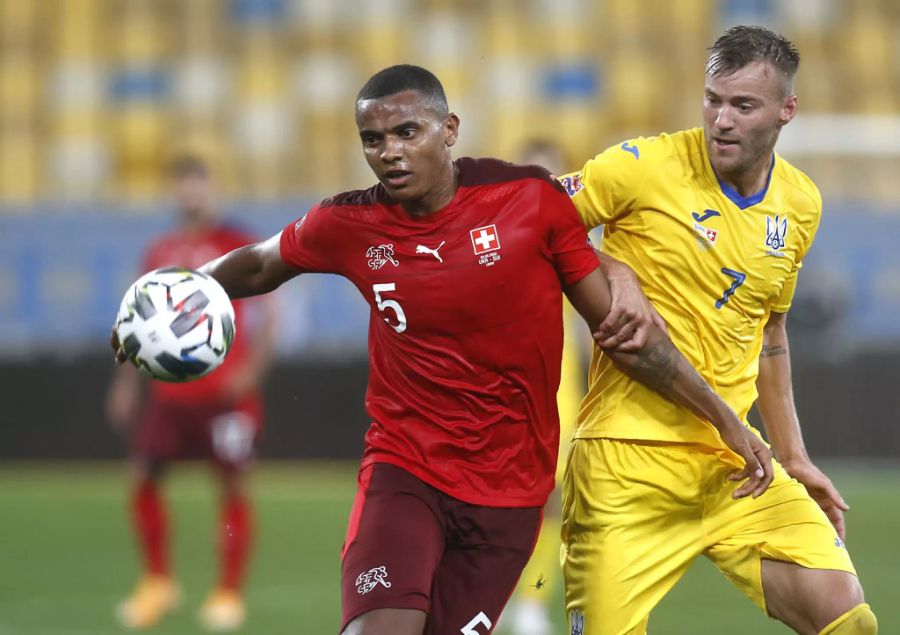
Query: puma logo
[[422, 249]]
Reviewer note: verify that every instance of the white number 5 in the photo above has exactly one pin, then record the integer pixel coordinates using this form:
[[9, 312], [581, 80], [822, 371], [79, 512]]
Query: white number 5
[[400, 326], [479, 620]]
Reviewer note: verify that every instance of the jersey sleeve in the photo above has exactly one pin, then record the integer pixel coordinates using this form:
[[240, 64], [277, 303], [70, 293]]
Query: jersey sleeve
[[808, 234], [571, 250], [310, 244], [607, 185]]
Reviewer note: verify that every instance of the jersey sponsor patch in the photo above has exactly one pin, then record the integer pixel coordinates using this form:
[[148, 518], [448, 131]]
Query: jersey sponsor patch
[[572, 184], [380, 255], [368, 580]]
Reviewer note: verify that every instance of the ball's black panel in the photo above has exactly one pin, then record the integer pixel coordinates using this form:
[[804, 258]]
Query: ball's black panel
[[227, 330], [143, 305], [191, 313], [131, 345], [181, 368]]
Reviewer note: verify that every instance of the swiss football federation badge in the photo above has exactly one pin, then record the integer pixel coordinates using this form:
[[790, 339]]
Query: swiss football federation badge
[[368, 580], [381, 255], [776, 232], [486, 243]]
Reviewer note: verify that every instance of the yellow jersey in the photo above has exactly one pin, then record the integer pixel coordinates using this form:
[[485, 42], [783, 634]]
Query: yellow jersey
[[713, 263]]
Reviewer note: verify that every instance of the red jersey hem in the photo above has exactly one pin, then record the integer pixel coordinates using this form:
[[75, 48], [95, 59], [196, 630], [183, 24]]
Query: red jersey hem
[[490, 500]]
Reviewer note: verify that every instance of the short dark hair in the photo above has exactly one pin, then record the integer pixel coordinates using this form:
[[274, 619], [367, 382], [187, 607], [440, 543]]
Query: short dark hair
[[743, 45], [187, 165], [396, 79]]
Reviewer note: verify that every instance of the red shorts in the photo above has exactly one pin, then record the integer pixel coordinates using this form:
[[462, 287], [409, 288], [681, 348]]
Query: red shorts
[[410, 546], [225, 433]]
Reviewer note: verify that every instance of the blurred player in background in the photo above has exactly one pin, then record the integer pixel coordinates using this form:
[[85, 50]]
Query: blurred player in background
[[716, 226], [217, 417], [463, 264]]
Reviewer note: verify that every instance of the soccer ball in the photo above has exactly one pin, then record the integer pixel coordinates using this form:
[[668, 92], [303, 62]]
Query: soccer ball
[[176, 324]]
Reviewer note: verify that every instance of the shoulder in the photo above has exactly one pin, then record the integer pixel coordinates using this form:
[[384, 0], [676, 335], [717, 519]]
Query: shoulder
[[797, 185], [375, 195], [488, 171]]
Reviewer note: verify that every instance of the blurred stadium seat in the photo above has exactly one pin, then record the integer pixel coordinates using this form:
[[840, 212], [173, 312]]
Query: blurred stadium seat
[[96, 96]]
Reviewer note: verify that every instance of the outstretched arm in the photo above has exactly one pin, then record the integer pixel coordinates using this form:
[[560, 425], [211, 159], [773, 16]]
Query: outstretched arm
[[779, 415], [660, 366], [251, 270]]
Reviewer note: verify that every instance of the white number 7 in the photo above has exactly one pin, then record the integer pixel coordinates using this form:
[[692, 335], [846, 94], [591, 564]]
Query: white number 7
[[400, 326], [479, 620]]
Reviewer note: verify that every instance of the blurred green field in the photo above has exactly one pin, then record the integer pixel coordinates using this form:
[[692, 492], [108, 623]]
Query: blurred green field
[[66, 555]]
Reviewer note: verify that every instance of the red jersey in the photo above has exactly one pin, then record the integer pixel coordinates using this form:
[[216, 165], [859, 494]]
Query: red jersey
[[193, 250], [465, 331]]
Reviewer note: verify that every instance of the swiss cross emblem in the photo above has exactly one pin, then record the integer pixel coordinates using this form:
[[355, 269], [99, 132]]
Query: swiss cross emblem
[[711, 235], [485, 239]]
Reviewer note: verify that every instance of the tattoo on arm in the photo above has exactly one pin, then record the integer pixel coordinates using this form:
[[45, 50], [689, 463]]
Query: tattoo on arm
[[656, 366], [772, 351]]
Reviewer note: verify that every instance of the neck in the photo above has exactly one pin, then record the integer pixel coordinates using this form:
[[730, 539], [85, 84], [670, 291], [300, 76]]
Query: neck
[[437, 198], [750, 181]]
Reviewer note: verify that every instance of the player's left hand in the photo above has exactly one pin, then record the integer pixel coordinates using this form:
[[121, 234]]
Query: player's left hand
[[117, 346], [626, 327], [822, 491]]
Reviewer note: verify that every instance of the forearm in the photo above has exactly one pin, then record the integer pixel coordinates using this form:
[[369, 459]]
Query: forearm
[[661, 367], [251, 270], [776, 397], [614, 269]]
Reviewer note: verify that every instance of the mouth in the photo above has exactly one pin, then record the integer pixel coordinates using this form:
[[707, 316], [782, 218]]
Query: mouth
[[397, 178], [723, 144]]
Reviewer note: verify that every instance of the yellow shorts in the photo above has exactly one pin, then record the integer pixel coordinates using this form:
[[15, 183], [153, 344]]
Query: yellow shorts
[[636, 515]]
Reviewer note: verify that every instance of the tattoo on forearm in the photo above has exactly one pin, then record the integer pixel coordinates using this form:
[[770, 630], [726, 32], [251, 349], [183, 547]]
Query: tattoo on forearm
[[657, 366], [772, 351]]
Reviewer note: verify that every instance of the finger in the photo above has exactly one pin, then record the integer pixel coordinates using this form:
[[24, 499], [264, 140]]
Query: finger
[[836, 517], [615, 341], [635, 341], [836, 498], [608, 325], [657, 319]]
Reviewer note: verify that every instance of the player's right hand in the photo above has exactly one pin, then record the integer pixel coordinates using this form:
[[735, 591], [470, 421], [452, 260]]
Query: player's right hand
[[116, 346], [758, 472], [631, 316]]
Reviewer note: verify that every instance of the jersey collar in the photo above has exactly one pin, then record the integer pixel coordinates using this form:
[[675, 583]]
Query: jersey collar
[[743, 202]]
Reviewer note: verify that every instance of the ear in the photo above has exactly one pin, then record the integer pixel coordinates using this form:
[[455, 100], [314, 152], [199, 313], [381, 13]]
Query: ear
[[788, 110], [451, 129]]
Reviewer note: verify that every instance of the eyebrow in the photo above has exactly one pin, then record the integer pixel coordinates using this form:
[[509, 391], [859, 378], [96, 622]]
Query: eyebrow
[[752, 98], [397, 128]]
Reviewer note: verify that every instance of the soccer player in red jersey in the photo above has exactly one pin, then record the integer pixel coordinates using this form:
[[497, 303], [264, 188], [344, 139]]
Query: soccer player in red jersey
[[463, 264], [217, 417]]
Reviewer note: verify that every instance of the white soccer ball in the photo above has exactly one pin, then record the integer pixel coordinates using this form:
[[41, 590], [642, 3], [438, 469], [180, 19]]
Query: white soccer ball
[[176, 324]]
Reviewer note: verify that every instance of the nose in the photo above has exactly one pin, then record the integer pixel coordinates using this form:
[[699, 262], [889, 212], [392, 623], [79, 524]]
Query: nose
[[392, 150], [724, 120]]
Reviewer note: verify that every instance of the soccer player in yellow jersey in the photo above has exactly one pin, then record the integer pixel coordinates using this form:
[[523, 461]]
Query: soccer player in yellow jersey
[[716, 226]]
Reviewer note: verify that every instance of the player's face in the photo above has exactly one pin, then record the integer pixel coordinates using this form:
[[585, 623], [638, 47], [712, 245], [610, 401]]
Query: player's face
[[194, 196], [743, 114], [407, 145]]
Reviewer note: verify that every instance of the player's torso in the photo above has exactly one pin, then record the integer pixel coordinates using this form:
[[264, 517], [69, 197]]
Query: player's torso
[[452, 276], [712, 265]]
